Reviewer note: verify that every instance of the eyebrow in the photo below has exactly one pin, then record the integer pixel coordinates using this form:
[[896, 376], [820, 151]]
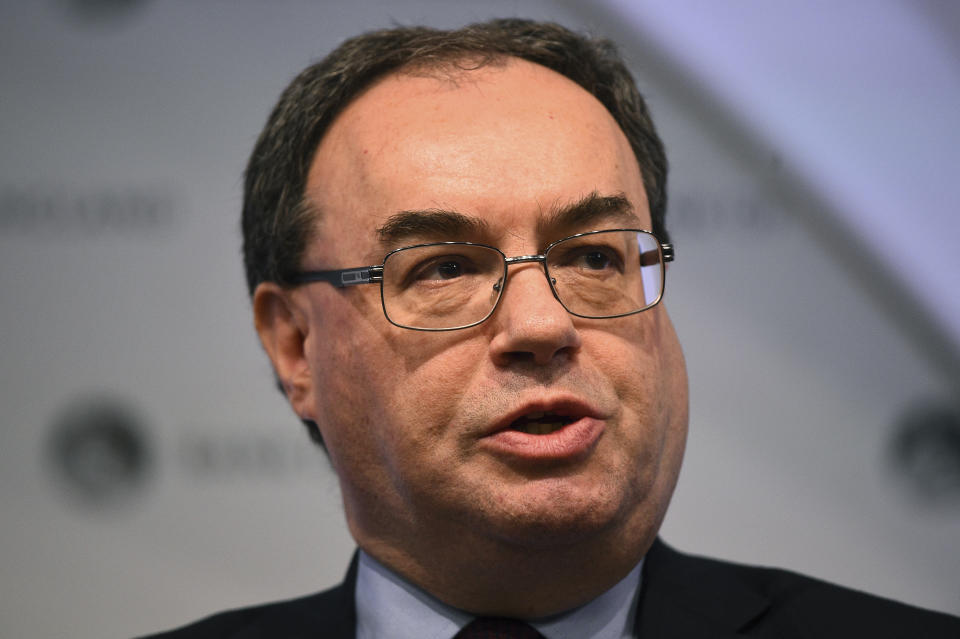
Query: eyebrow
[[441, 224], [430, 224], [590, 209]]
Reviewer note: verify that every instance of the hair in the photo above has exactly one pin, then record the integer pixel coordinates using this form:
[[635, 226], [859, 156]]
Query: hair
[[278, 221]]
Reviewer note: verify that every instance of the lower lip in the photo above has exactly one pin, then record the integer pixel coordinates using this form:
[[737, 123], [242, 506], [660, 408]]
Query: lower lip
[[570, 443]]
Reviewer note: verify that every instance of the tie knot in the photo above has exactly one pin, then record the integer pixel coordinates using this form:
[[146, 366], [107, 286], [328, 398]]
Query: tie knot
[[497, 628]]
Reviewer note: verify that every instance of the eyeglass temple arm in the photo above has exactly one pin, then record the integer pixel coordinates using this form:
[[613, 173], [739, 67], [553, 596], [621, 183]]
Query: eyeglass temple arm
[[649, 258], [342, 277]]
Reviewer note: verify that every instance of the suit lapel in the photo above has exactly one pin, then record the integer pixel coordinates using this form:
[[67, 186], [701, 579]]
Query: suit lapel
[[689, 598], [330, 614], [341, 610]]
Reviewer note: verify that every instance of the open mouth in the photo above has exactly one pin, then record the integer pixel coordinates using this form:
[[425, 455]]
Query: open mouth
[[541, 423], [546, 430]]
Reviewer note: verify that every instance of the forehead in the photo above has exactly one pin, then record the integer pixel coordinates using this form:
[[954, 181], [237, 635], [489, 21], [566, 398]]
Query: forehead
[[502, 143]]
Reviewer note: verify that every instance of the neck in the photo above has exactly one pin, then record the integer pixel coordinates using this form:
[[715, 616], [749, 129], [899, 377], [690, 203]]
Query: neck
[[498, 578]]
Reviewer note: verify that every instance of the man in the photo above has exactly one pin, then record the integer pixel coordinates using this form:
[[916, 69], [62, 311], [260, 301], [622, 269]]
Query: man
[[455, 247]]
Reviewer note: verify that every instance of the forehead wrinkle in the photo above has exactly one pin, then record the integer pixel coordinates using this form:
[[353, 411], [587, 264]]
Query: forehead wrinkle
[[590, 209]]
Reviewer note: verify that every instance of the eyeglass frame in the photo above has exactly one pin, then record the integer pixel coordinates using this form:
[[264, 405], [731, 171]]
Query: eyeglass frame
[[342, 278]]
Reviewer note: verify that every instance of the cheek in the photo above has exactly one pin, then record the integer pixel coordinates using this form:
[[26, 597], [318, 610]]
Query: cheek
[[669, 403], [640, 357], [384, 395], [625, 353], [340, 348], [428, 390]]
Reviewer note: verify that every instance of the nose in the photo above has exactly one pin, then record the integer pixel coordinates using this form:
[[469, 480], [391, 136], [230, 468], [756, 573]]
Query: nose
[[530, 324]]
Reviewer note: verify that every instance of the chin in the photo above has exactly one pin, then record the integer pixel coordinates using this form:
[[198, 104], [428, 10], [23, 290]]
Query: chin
[[551, 513]]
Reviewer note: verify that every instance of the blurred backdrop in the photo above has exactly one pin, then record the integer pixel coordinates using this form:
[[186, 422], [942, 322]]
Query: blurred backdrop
[[149, 471]]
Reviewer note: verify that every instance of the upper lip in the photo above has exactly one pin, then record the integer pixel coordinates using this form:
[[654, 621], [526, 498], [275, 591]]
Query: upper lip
[[572, 407]]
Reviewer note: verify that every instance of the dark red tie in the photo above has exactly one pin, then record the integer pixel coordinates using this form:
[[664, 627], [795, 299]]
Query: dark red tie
[[497, 628]]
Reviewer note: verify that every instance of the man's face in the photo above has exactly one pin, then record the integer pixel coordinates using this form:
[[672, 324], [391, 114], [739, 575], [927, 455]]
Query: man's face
[[421, 427]]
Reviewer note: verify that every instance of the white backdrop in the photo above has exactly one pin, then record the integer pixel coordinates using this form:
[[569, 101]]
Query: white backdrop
[[149, 471]]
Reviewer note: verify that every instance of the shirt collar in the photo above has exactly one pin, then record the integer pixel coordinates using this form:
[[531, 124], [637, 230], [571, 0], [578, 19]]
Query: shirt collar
[[390, 606]]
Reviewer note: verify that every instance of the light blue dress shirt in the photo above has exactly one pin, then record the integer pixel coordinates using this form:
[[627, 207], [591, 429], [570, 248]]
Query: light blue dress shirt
[[389, 607]]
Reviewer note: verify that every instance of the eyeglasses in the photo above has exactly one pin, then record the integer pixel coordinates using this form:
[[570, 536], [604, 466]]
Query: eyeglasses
[[445, 286]]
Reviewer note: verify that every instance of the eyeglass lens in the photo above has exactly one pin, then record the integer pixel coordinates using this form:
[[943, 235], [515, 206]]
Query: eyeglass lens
[[443, 286]]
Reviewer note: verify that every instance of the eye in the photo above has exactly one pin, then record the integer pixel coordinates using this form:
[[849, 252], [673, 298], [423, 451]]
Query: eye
[[593, 258], [446, 270], [445, 267]]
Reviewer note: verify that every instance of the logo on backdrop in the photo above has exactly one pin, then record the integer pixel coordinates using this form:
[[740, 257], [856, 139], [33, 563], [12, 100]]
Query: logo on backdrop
[[103, 11], [99, 451], [706, 214], [52, 211], [925, 451], [103, 453]]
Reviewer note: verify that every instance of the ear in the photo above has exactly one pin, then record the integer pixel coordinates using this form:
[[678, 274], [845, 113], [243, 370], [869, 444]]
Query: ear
[[283, 330]]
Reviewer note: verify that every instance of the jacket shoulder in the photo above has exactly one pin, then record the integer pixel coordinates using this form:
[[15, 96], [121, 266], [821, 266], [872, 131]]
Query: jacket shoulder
[[773, 602], [331, 612]]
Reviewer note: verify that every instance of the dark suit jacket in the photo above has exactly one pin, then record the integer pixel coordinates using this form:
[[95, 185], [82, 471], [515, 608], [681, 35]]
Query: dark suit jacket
[[681, 597]]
